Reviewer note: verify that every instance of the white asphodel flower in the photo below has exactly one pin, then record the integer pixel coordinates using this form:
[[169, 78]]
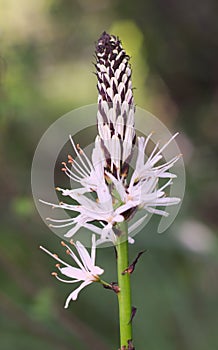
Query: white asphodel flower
[[89, 174], [86, 272], [143, 191], [89, 210]]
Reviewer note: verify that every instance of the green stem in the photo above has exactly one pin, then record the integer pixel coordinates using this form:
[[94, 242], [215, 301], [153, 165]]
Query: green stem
[[124, 295]]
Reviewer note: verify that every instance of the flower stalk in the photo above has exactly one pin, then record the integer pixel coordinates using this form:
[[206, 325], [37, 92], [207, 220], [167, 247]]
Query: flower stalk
[[124, 295]]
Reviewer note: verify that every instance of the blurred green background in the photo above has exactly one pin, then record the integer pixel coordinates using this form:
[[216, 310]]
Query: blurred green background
[[46, 56]]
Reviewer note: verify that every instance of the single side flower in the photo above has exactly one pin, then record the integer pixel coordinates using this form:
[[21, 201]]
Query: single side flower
[[142, 189], [86, 272]]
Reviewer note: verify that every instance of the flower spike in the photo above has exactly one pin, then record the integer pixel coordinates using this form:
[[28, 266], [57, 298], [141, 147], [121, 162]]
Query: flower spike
[[107, 192]]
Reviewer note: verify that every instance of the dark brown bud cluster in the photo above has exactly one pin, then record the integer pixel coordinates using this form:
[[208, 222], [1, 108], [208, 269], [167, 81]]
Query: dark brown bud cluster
[[115, 103], [113, 70]]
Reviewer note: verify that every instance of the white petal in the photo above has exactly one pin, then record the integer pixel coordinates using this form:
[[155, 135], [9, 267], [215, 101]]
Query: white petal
[[73, 230], [110, 92], [74, 272], [156, 211], [96, 270], [119, 126], [119, 186], [137, 224], [166, 201], [84, 256], [125, 207], [93, 228], [115, 151], [74, 294], [93, 251], [118, 218], [131, 240]]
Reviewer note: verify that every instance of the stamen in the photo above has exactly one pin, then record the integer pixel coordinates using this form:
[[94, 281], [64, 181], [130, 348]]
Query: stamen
[[79, 149], [85, 157], [73, 176], [54, 256], [62, 225], [153, 151], [77, 167], [67, 281], [70, 159], [60, 220], [168, 142]]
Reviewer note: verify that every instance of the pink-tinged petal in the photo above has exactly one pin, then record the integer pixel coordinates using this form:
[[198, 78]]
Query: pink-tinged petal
[[74, 294], [167, 201], [151, 198], [93, 251], [118, 218], [166, 175], [74, 272], [73, 255], [74, 192], [93, 228], [123, 208], [103, 193], [119, 186], [131, 240], [84, 256], [157, 211], [106, 231], [73, 230], [96, 270], [137, 224]]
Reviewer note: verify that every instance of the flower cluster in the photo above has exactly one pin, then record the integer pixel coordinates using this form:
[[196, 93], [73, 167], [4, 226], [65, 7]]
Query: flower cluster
[[117, 196]]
